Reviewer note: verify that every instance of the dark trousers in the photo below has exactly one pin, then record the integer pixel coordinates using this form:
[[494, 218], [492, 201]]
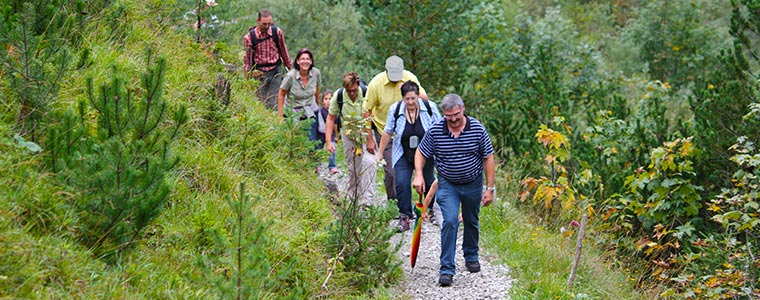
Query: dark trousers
[[269, 87], [404, 171]]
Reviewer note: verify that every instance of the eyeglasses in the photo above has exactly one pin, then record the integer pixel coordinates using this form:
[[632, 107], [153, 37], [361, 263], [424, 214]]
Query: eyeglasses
[[451, 116]]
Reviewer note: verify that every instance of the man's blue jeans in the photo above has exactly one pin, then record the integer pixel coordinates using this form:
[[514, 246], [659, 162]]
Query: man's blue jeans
[[449, 197], [404, 171]]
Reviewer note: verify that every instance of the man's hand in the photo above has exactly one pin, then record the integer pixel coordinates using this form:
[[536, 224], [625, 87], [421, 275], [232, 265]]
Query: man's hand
[[419, 184], [488, 197], [371, 144], [330, 147]]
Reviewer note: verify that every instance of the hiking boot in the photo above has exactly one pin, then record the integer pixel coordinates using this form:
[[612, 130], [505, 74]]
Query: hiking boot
[[445, 279], [403, 223], [472, 266]]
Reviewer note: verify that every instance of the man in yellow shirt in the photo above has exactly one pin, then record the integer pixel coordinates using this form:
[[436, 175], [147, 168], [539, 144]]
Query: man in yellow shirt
[[382, 91]]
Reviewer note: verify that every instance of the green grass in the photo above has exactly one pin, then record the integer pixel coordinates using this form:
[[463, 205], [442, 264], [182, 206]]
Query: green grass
[[540, 260], [40, 257]]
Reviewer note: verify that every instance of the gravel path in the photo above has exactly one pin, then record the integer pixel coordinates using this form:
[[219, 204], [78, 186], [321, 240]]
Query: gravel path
[[492, 282]]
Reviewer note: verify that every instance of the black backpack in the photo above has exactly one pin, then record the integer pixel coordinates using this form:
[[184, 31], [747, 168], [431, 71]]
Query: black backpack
[[339, 97], [254, 41], [398, 109]]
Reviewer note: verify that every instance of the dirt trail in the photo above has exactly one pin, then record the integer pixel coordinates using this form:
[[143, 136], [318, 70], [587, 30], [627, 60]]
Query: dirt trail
[[492, 282]]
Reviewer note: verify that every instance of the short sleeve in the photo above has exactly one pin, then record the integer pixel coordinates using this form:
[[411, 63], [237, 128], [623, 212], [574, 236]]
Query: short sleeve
[[486, 147], [333, 110], [372, 95], [427, 144], [287, 81], [390, 125]]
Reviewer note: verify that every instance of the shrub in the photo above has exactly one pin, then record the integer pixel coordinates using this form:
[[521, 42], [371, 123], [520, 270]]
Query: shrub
[[117, 170], [245, 265]]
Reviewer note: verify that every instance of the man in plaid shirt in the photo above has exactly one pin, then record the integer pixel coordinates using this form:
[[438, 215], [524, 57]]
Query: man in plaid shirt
[[265, 51]]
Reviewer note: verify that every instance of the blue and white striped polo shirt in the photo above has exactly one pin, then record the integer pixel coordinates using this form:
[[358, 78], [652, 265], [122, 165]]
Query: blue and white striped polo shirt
[[458, 160]]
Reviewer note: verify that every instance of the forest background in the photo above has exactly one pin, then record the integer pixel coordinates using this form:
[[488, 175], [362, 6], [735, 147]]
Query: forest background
[[135, 163]]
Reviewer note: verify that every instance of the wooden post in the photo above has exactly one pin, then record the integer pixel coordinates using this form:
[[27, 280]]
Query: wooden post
[[578, 250]]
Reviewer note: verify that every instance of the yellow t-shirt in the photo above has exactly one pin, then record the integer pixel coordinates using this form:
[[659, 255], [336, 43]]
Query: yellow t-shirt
[[382, 93]]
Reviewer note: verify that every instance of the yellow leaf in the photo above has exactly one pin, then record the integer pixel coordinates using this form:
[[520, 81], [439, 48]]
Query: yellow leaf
[[523, 195], [567, 127], [550, 138], [714, 208], [642, 243], [590, 210], [569, 199], [546, 194], [529, 183], [687, 148]]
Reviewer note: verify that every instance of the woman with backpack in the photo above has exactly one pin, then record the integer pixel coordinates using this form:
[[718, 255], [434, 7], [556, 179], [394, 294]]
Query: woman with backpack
[[408, 120]]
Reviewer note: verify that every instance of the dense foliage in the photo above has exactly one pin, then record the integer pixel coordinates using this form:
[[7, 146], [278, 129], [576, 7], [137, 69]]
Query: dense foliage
[[641, 114]]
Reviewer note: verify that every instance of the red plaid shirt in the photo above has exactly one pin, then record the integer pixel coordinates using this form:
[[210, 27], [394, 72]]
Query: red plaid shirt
[[266, 51]]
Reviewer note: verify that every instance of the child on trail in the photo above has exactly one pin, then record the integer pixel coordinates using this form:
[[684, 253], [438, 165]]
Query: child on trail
[[318, 129]]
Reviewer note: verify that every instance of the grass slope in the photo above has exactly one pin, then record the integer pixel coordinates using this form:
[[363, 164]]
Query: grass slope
[[180, 255]]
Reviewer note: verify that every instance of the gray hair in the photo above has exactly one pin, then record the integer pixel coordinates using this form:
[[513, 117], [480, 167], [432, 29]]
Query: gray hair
[[450, 101]]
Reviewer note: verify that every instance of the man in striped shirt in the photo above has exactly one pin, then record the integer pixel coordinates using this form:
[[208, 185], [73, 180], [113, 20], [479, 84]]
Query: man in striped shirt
[[462, 150], [265, 52]]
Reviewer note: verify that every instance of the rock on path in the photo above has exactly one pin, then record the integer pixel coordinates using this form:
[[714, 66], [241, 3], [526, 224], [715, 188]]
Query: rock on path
[[492, 282]]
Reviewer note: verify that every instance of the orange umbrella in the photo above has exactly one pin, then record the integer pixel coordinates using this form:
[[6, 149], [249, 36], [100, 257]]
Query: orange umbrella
[[419, 210]]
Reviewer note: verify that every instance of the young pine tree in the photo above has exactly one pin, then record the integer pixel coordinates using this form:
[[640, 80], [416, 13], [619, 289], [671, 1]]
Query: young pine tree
[[722, 100], [33, 58], [117, 171]]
